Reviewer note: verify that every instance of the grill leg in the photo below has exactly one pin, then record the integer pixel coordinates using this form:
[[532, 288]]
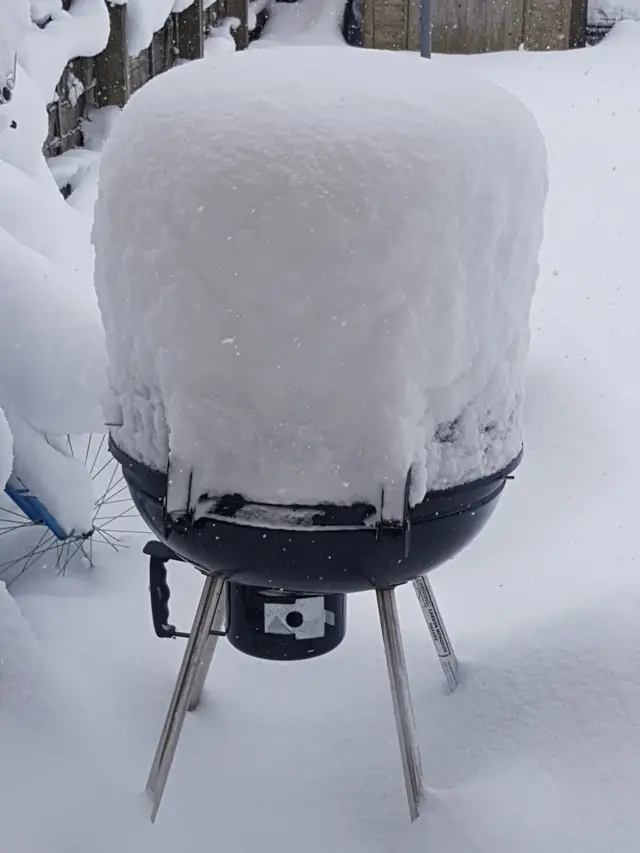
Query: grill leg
[[205, 663], [184, 689], [439, 635], [402, 707]]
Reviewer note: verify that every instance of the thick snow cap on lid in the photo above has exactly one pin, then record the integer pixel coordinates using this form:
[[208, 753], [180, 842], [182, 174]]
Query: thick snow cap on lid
[[315, 268]]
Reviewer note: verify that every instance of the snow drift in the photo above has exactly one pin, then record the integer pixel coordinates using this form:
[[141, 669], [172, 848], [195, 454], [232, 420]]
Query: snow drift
[[315, 270], [15, 23], [6, 450]]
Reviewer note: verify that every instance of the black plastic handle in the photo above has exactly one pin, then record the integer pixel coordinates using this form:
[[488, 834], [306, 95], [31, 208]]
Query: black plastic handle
[[160, 595], [159, 555]]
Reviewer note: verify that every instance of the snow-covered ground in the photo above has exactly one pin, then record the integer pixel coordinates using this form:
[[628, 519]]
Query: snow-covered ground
[[536, 752]]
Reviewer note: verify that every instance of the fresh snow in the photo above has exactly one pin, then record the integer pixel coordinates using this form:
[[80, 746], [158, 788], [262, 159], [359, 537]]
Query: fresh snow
[[48, 362], [78, 168], [146, 17], [60, 481], [15, 24], [221, 40], [51, 364], [6, 450], [82, 31], [537, 750], [325, 291], [42, 10], [44, 790]]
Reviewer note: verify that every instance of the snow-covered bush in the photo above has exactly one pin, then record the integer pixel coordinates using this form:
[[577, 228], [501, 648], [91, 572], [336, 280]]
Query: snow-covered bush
[[51, 340], [52, 356], [14, 25]]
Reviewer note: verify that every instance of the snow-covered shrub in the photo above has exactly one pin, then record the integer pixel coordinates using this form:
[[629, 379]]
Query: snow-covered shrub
[[51, 340], [52, 355], [15, 23]]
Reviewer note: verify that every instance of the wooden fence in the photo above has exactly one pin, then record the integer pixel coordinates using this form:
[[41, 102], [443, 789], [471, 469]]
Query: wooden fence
[[110, 78], [477, 26], [460, 26]]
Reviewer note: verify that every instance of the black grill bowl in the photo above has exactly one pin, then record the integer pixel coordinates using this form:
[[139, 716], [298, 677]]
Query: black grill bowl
[[345, 550]]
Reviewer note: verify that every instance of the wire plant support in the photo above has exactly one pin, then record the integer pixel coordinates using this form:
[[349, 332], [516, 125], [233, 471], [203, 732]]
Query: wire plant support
[[31, 534]]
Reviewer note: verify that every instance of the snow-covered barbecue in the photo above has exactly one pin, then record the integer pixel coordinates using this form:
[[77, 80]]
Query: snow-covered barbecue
[[315, 269]]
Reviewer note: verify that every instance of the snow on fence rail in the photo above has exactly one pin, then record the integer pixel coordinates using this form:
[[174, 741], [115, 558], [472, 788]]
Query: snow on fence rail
[[605, 14], [136, 52]]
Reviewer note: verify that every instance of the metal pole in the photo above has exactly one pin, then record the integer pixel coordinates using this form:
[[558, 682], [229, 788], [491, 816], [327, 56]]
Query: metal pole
[[433, 618], [400, 693], [205, 663], [184, 689], [425, 28]]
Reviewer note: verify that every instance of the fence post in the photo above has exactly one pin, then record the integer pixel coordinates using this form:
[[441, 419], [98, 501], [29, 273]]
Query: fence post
[[240, 9], [112, 65], [190, 31], [554, 24], [391, 24], [578, 25]]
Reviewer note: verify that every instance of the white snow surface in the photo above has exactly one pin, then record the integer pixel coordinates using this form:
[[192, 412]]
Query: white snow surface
[[78, 167], [221, 41], [15, 23], [37, 720], [41, 10], [58, 479], [146, 17], [6, 450], [51, 341], [82, 31], [331, 286]]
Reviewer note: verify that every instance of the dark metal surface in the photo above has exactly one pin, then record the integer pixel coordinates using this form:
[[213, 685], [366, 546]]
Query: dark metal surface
[[344, 549], [284, 626]]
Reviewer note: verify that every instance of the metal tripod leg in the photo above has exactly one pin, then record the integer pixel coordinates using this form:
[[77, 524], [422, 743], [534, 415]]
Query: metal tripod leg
[[184, 689], [433, 618], [205, 663], [402, 707]]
